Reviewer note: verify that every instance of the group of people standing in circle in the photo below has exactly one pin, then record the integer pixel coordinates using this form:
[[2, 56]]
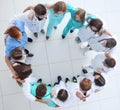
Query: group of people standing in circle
[[91, 30]]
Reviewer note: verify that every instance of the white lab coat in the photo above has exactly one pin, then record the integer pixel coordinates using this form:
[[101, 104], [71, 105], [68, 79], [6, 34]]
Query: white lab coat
[[97, 45], [56, 88], [85, 33], [30, 20], [97, 62]]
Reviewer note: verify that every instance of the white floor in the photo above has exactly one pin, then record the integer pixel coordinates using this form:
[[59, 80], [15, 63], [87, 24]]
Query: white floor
[[59, 57]]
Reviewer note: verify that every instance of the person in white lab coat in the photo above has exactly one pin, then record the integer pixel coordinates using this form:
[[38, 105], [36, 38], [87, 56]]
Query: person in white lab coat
[[81, 90], [103, 62], [34, 18], [103, 43]]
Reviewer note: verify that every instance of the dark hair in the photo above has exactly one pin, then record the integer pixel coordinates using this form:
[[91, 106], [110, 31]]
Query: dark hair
[[13, 31], [99, 81], [40, 9], [41, 91], [23, 70], [110, 62], [97, 23], [16, 53], [59, 6], [81, 13], [85, 84], [111, 43], [62, 95]]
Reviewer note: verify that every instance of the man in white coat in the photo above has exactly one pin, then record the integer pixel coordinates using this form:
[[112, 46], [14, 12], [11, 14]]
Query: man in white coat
[[34, 18]]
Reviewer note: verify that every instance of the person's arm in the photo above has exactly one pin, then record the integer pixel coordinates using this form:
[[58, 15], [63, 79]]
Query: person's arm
[[43, 101], [48, 6], [108, 55], [7, 60], [28, 8], [5, 38]]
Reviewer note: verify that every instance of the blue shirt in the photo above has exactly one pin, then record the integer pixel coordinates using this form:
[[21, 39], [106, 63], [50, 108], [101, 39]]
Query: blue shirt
[[46, 96], [12, 43]]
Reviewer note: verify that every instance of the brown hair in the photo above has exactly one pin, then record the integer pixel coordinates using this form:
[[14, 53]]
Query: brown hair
[[81, 13], [85, 84], [110, 62], [59, 6], [97, 23], [99, 81], [13, 31], [111, 43], [40, 9], [41, 91], [62, 95], [16, 53], [23, 70]]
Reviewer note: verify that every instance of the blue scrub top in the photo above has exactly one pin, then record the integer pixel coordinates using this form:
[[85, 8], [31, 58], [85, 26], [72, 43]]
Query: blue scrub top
[[46, 96], [12, 43]]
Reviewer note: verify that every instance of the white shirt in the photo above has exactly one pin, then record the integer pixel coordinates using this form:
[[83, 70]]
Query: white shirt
[[96, 43], [34, 25], [97, 62], [85, 33], [56, 88]]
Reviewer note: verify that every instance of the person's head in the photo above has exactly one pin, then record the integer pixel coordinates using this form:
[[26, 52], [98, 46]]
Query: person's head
[[80, 15], [16, 53], [41, 91], [14, 32], [111, 43], [62, 95], [95, 25], [99, 79], [110, 62], [85, 84], [40, 11], [23, 70], [59, 7]]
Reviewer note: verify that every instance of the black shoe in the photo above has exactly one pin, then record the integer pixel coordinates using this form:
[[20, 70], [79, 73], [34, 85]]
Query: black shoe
[[71, 31], [55, 83], [35, 34], [30, 39], [74, 79], [39, 80], [63, 36], [47, 37], [84, 71], [59, 79], [49, 85], [26, 51], [67, 80], [42, 31], [55, 27], [30, 55]]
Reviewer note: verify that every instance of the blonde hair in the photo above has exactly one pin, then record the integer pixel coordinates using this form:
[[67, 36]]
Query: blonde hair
[[81, 13]]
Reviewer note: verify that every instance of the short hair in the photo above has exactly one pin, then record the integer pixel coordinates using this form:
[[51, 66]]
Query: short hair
[[62, 95], [81, 13], [13, 31], [41, 91], [97, 23], [110, 62], [23, 70], [85, 84], [99, 81], [111, 42], [59, 6], [16, 53], [40, 9]]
